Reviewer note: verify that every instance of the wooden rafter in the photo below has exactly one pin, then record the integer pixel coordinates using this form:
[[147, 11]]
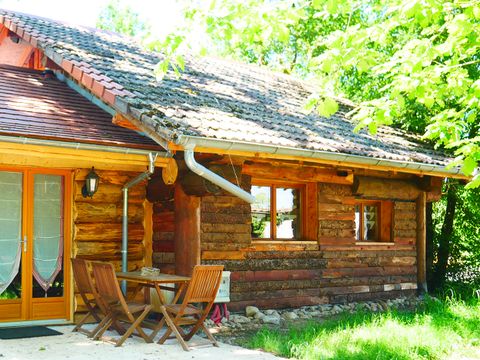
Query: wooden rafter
[[122, 121]]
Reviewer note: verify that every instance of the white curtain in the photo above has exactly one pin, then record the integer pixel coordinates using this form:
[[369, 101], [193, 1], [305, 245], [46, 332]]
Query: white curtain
[[10, 226], [47, 228]]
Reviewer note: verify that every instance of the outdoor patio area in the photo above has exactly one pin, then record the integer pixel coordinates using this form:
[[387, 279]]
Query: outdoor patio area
[[74, 345]]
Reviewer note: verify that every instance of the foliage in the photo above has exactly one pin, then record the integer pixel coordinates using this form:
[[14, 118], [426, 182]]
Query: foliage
[[463, 269], [432, 332], [419, 56], [8, 295], [258, 226], [122, 19]]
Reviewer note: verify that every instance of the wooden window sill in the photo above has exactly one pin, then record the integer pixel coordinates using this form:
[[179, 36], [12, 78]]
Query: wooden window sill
[[374, 243], [279, 241]]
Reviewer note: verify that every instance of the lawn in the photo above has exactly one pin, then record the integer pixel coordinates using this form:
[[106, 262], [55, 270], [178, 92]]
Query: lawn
[[438, 330]]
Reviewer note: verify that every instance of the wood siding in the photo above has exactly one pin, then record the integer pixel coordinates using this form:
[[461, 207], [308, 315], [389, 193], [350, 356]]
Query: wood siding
[[334, 269]]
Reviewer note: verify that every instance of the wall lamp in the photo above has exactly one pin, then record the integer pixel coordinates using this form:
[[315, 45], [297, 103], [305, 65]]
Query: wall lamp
[[91, 184]]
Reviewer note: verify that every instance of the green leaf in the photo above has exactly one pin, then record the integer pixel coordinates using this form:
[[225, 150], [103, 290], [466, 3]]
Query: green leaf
[[327, 107], [161, 69], [429, 101], [469, 165], [474, 183], [180, 60], [362, 66], [311, 103], [372, 127], [317, 4]]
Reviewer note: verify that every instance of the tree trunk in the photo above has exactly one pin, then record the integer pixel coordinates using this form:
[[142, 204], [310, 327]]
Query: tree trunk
[[430, 246], [445, 237]]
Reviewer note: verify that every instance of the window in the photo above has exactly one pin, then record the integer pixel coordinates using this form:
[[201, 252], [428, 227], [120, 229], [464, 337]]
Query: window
[[373, 221], [281, 203]]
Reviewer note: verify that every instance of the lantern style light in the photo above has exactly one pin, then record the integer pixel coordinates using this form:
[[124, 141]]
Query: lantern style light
[[91, 184]]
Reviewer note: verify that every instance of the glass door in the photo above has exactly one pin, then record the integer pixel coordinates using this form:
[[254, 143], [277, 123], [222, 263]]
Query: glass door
[[33, 248], [11, 245]]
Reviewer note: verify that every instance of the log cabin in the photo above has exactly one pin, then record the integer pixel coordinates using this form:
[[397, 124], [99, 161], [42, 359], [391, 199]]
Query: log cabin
[[221, 165]]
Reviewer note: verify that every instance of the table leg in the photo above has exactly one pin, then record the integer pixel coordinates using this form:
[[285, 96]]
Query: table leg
[[160, 295]]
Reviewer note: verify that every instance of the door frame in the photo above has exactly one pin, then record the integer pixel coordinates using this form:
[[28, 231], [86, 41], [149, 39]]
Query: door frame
[[37, 308]]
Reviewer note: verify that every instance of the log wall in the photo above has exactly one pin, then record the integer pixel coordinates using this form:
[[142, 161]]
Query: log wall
[[333, 269], [328, 265], [361, 272], [97, 222]]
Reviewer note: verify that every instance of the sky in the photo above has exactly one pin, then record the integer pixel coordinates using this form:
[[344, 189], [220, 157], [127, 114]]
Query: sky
[[162, 14]]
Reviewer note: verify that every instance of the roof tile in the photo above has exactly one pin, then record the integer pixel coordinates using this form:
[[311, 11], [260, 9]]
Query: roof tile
[[31, 105]]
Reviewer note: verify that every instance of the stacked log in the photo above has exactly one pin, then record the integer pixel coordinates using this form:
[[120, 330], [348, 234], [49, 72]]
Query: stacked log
[[97, 222]]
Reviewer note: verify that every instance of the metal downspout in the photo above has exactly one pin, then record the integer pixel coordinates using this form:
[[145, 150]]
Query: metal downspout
[[202, 171], [145, 175]]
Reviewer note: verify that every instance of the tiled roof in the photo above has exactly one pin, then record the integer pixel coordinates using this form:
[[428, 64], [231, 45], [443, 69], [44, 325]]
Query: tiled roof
[[33, 106], [213, 98]]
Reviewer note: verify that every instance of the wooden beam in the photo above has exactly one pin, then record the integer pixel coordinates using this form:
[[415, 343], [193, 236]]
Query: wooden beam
[[120, 120], [57, 157], [187, 232], [421, 243], [297, 173], [435, 192], [148, 233], [311, 212], [342, 164], [378, 188]]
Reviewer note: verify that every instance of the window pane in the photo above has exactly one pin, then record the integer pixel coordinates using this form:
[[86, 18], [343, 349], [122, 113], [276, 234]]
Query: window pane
[[357, 222], [10, 234], [261, 212], [47, 236], [370, 223], [288, 213]]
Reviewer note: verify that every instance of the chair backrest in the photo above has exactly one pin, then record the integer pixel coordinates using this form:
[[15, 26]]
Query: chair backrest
[[107, 283], [82, 276], [203, 286]]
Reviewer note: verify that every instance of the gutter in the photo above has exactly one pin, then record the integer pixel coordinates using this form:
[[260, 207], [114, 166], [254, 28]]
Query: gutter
[[78, 146], [145, 175], [202, 171], [232, 145]]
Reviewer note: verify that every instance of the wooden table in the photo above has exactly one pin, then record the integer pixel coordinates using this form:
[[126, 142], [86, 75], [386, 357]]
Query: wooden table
[[155, 281]]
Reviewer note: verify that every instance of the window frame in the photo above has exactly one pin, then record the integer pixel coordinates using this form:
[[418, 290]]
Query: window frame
[[273, 185], [384, 221]]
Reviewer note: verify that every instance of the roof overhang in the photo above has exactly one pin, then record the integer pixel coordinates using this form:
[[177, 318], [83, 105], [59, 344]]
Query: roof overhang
[[26, 151], [208, 145]]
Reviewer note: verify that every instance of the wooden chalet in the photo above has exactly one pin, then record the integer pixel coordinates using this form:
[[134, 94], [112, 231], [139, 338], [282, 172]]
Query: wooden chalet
[[234, 149]]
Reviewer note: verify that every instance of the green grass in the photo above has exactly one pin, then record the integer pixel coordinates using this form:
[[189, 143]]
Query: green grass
[[436, 331]]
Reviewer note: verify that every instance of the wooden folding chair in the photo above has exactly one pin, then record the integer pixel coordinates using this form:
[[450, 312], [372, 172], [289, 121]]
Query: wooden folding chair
[[86, 289], [201, 290], [117, 308]]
